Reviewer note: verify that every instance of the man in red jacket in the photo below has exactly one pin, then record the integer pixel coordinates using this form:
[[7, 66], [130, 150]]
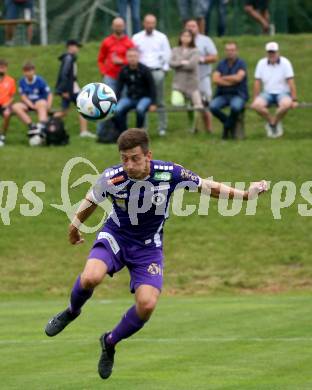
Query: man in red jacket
[[112, 54]]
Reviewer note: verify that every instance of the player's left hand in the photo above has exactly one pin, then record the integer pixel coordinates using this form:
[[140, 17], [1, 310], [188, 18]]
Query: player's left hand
[[152, 108], [294, 104], [257, 188]]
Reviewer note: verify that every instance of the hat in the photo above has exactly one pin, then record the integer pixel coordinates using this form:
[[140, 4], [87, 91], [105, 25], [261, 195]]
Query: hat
[[73, 42], [271, 46]]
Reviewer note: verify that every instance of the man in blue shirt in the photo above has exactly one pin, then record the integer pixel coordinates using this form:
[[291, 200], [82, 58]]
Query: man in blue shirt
[[35, 96], [230, 78]]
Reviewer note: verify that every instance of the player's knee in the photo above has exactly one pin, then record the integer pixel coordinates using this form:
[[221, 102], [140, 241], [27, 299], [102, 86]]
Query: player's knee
[[146, 306], [90, 279]]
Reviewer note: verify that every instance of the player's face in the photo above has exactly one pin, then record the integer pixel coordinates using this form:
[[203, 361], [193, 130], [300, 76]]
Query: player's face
[[135, 163], [192, 26], [29, 73]]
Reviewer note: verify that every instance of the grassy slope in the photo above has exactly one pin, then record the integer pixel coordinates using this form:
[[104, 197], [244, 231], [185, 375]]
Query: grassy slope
[[204, 253], [237, 343]]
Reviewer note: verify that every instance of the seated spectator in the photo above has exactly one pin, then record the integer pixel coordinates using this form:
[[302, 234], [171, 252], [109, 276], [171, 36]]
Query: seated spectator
[[67, 86], [230, 78], [35, 96], [194, 9], [184, 61], [112, 53], [140, 91], [7, 91], [135, 13], [259, 11], [16, 9], [276, 76]]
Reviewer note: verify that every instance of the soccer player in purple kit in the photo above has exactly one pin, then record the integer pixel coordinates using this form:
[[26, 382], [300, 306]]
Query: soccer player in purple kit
[[131, 237]]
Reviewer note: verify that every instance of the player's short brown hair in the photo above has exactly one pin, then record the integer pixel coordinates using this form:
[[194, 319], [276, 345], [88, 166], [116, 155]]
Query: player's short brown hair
[[3, 62], [132, 138], [28, 66]]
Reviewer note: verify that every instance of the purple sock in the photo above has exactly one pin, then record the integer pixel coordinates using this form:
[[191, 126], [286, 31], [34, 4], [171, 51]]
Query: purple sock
[[129, 324], [79, 296]]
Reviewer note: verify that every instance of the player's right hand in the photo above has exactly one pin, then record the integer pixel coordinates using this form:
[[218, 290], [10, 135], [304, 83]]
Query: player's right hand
[[74, 235]]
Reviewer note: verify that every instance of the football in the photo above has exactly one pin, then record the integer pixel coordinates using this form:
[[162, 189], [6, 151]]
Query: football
[[96, 101]]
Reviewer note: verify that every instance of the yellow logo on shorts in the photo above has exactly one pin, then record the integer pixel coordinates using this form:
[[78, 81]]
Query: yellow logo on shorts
[[155, 269]]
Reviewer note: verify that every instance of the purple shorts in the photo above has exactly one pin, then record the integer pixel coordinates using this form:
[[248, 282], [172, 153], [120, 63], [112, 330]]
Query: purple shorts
[[145, 263]]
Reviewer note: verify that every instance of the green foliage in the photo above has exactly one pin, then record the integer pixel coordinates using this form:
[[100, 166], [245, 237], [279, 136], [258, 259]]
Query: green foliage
[[203, 254]]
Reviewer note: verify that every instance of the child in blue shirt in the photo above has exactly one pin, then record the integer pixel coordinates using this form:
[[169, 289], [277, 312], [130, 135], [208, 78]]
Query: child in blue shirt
[[35, 96]]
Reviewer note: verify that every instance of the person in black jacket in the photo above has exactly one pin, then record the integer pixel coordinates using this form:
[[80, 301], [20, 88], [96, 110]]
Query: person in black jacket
[[140, 91], [67, 86]]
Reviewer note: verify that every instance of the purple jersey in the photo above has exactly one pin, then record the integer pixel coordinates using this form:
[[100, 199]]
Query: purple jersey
[[140, 207]]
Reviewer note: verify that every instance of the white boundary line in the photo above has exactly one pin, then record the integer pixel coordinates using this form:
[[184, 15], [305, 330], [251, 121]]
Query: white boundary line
[[169, 340]]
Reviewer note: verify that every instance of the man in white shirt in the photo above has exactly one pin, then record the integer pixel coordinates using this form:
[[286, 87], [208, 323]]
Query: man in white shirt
[[275, 75], [208, 56], [155, 52]]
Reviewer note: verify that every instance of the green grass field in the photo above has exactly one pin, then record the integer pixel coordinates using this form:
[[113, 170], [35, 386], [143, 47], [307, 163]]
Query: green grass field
[[215, 327], [234, 343]]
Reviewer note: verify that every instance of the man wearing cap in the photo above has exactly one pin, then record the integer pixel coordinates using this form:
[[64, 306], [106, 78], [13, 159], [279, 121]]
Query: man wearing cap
[[67, 86], [276, 76]]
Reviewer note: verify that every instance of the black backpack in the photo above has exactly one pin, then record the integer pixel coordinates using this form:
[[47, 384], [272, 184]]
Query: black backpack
[[55, 133], [107, 132]]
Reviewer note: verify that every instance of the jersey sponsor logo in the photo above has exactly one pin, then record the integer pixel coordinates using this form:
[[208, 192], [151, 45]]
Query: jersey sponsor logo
[[155, 269], [115, 180], [111, 240], [162, 176], [188, 175]]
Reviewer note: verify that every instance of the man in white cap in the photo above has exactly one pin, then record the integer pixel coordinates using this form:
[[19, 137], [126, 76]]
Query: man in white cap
[[275, 75]]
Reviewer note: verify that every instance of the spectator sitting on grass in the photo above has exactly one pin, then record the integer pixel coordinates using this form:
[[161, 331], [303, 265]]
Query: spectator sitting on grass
[[184, 61], [7, 91], [35, 96], [230, 78], [67, 86]]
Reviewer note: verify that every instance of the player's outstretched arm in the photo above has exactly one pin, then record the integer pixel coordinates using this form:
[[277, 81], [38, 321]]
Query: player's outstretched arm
[[84, 211], [219, 190]]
